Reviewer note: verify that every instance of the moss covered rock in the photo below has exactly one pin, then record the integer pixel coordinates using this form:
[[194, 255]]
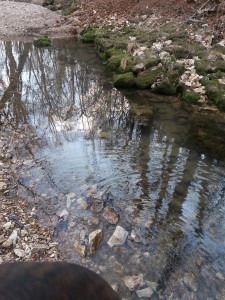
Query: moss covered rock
[[42, 41], [120, 62], [126, 80], [169, 84], [215, 91], [148, 77], [88, 36], [189, 95], [205, 66]]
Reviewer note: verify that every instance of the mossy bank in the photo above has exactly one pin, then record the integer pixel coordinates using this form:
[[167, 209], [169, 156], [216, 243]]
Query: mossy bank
[[164, 59]]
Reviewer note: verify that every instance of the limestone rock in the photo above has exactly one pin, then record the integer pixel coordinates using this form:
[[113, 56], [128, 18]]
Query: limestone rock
[[11, 240], [81, 249], [146, 293], [95, 239], [119, 237], [132, 281], [111, 215], [19, 252]]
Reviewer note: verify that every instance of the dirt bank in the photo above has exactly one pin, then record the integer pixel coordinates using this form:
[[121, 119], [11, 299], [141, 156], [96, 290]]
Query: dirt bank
[[28, 19]]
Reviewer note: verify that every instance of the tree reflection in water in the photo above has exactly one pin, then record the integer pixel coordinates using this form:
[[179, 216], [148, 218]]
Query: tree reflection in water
[[171, 196]]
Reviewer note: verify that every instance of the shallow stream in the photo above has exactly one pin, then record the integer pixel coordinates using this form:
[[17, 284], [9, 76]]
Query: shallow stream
[[140, 153]]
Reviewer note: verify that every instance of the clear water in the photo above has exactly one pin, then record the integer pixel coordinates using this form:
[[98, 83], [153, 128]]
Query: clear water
[[146, 157]]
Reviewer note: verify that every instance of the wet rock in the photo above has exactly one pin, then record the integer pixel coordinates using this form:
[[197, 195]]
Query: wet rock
[[70, 198], [83, 204], [190, 281], [11, 240], [145, 293], [62, 213], [95, 240], [118, 238], [97, 206], [81, 249], [135, 236], [93, 221], [133, 281], [111, 215], [220, 276]]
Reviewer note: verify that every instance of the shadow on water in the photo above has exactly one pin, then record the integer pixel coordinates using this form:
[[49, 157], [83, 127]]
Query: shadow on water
[[157, 162]]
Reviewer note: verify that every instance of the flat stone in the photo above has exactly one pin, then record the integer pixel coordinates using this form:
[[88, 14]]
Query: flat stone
[[81, 249], [132, 281], [95, 239], [145, 293], [110, 215], [39, 248], [119, 237]]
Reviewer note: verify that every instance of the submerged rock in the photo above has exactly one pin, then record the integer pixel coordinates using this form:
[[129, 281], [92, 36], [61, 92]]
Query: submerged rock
[[95, 239], [81, 249], [111, 215], [146, 293], [97, 206], [118, 238], [132, 281]]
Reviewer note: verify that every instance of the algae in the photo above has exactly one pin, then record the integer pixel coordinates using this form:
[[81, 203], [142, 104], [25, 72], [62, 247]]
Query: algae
[[42, 42]]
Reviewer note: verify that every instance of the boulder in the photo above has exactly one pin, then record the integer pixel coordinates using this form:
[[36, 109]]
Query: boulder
[[126, 80]]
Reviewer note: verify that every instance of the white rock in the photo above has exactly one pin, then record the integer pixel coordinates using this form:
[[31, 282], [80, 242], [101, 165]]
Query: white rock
[[3, 186], [7, 225], [62, 213], [19, 252], [147, 293], [11, 240], [132, 281], [163, 54], [119, 237]]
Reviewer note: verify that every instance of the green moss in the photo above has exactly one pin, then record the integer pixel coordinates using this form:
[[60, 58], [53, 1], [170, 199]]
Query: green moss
[[215, 92], [88, 37], [103, 44], [126, 80], [180, 51], [204, 66], [42, 41], [190, 96], [217, 75], [120, 62], [68, 11], [169, 85], [148, 77], [151, 61]]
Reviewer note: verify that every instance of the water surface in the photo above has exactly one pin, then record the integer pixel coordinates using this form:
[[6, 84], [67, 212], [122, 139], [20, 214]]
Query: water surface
[[140, 153]]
